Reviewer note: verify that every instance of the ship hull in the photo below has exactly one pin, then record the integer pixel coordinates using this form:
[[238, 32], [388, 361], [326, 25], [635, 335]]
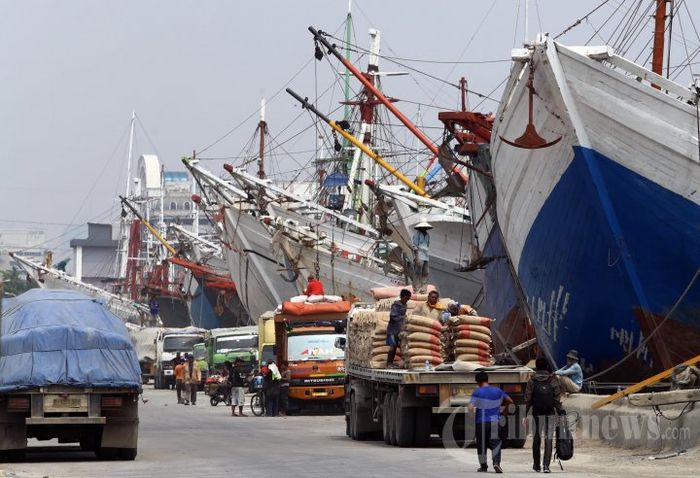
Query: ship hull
[[603, 228], [173, 311], [263, 283]]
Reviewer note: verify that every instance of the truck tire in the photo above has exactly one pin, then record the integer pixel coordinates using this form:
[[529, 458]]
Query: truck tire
[[516, 443], [387, 418], [104, 453], [392, 423], [352, 421], [127, 454], [361, 424], [421, 435], [405, 421]]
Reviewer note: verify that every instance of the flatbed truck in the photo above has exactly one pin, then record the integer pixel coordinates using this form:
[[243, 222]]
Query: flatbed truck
[[406, 407]]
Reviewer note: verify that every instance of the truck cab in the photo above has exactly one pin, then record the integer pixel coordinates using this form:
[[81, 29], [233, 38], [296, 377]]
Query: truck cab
[[317, 366], [170, 344], [307, 337], [233, 343]]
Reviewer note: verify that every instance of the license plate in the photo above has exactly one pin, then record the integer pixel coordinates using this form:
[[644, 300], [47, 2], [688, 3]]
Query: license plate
[[66, 403], [320, 394], [168, 372], [461, 393]]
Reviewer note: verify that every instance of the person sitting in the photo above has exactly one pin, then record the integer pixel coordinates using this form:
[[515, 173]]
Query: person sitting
[[455, 308], [685, 377], [570, 375], [314, 286], [432, 307]]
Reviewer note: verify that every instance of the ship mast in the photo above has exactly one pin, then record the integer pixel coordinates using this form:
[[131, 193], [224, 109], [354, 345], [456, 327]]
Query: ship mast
[[262, 128], [122, 253], [657, 61]]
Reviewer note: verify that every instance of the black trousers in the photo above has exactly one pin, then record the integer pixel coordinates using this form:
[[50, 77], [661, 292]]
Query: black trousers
[[487, 439], [544, 425], [179, 387]]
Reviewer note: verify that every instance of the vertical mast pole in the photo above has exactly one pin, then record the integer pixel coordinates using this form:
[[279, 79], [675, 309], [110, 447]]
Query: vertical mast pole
[[262, 127], [657, 62], [348, 39], [123, 252], [527, 18]]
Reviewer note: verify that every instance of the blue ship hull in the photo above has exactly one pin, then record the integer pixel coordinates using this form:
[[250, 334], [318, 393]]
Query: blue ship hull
[[606, 258], [209, 311]]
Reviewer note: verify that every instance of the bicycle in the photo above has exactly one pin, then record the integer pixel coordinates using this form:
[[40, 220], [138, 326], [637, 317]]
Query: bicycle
[[257, 404]]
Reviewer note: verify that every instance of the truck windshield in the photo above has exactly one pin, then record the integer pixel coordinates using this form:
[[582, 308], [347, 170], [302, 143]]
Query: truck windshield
[[180, 344], [314, 347], [227, 344], [200, 352]]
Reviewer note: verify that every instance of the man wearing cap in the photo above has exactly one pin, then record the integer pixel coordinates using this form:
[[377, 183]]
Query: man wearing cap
[[570, 375], [421, 245], [192, 378]]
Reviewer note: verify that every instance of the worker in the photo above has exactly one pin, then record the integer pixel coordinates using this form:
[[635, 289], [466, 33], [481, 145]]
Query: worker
[[314, 286], [397, 316], [284, 387], [455, 308], [432, 307], [192, 378], [685, 377], [486, 402], [543, 398], [570, 375], [179, 379], [237, 378], [272, 379], [421, 245]]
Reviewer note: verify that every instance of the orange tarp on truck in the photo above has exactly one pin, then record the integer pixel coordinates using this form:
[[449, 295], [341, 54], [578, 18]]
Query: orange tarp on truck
[[304, 309]]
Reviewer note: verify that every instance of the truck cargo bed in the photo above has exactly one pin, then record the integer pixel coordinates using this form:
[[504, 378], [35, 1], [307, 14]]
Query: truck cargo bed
[[497, 374]]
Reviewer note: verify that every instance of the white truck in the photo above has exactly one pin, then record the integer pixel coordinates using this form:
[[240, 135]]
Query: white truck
[[169, 343]]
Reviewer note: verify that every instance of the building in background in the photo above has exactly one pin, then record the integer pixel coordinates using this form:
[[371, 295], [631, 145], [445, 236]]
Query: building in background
[[28, 242], [95, 256]]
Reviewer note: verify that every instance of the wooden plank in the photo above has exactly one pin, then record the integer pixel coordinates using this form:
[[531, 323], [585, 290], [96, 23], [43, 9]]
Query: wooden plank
[[639, 386], [665, 398]]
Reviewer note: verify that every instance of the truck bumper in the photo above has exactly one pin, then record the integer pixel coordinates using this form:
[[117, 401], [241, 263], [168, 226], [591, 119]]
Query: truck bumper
[[332, 392]]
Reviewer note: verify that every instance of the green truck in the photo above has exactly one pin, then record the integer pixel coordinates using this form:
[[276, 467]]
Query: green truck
[[230, 344]]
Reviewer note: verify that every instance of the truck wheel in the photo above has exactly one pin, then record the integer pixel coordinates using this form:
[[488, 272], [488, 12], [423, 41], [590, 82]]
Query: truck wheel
[[404, 423], [421, 435], [387, 418], [353, 417], [127, 454], [107, 453], [394, 419]]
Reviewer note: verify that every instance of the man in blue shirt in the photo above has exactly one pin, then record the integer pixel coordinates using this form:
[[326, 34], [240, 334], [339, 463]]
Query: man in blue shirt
[[397, 315], [486, 401], [571, 375]]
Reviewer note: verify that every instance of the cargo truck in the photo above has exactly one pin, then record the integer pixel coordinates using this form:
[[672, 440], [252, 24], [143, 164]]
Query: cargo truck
[[169, 344], [68, 371], [306, 337], [407, 407], [266, 337], [233, 343]]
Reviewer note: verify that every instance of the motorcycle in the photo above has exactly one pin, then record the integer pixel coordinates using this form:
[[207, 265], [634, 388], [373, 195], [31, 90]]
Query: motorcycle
[[218, 389]]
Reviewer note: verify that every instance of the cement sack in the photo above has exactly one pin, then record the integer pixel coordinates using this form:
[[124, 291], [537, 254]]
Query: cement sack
[[475, 328], [394, 291], [470, 334], [423, 337], [472, 343], [474, 358], [315, 299], [425, 330], [470, 320], [424, 322]]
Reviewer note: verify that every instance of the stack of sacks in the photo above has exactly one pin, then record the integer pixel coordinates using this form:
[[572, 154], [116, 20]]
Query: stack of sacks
[[421, 341], [394, 291], [367, 333], [469, 339], [384, 305]]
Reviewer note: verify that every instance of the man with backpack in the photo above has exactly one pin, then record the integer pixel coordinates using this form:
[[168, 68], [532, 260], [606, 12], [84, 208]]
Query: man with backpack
[[543, 398]]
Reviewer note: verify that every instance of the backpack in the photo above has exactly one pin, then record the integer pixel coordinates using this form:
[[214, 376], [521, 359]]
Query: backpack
[[564, 439], [542, 397]]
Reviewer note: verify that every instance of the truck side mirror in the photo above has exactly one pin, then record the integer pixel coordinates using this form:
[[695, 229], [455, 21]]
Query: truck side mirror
[[340, 343]]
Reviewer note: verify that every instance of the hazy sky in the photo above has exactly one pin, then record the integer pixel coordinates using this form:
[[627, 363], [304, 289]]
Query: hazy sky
[[72, 71]]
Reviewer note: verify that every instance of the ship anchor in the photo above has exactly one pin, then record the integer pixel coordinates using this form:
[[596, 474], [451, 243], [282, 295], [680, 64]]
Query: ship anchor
[[530, 138]]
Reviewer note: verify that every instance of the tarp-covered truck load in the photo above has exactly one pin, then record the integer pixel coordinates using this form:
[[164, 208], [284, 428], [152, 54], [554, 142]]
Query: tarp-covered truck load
[[52, 337], [68, 370]]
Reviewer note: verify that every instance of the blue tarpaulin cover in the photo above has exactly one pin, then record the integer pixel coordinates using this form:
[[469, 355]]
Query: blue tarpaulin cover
[[62, 337]]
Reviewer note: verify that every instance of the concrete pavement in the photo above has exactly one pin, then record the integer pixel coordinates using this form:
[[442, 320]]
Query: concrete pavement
[[177, 440]]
